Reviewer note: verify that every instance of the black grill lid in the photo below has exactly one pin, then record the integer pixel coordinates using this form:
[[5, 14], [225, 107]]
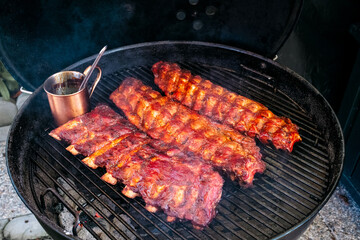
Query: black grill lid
[[39, 38]]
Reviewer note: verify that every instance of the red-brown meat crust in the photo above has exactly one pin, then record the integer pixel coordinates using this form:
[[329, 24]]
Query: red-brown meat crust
[[194, 134], [183, 187], [226, 107], [90, 132]]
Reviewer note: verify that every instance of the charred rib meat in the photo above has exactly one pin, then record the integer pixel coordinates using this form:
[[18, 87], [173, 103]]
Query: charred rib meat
[[182, 187], [193, 134], [226, 107]]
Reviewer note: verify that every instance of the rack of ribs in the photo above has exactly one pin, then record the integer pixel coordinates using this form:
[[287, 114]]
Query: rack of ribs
[[193, 134], [182, 187], [224, 106]]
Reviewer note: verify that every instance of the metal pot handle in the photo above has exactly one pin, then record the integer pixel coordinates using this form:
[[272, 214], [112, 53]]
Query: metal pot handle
[[96, 80], [23, 90]]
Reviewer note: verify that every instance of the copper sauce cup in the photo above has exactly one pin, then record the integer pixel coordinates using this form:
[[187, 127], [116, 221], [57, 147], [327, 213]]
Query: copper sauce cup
[[65, 99]]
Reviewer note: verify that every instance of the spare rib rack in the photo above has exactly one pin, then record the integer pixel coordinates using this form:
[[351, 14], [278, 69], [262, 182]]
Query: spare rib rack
[[288, 193]]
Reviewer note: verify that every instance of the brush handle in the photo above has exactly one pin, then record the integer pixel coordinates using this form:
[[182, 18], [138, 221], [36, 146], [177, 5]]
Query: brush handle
[[84, 83]]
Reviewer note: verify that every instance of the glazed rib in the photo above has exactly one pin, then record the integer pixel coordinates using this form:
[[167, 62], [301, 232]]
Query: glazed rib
[[182, 187], [174, 124], [226, 107], [92, 131]]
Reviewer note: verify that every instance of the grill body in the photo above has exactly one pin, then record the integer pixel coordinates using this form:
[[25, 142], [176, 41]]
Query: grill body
[[280, 205]]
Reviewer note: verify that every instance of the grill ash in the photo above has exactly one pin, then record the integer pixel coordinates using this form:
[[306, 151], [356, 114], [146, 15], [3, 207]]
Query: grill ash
[[69, 222]]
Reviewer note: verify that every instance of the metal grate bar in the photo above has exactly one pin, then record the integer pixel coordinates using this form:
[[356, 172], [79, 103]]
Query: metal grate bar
[[275, 205], [302, 171], [320, 157], [296, 180], [249, 216], [255, 72], [289, 195], [293, 187], [311, 160], [277, 215], [225, 230], [309, 165], [273, 166], [254, 211], [316, 142], [225, 213], [295, 208], [145, 73], [215, 230]]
